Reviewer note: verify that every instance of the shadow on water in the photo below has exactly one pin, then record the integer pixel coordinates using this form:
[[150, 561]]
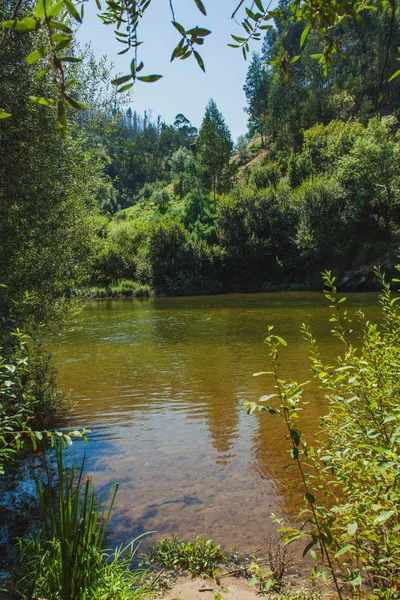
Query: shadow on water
[[161, 385]]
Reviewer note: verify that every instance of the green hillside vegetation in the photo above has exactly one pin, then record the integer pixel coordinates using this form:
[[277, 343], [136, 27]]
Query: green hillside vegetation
[[312, 185], [276, 222], [107, 202]]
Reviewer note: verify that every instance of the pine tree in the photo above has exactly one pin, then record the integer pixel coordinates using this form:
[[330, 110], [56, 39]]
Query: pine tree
[[214, 145], [256, 88]]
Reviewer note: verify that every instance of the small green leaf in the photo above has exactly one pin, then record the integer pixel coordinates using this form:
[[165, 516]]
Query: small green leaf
[[395, 75], [120, 80], [200, 6], [72, 103], [304, 35], [179, 27], [43, 101], [72, 10], [4, 114], [72, 59], [343, 550], [125, 88], [149, 78], [27, 24], [384, 516]]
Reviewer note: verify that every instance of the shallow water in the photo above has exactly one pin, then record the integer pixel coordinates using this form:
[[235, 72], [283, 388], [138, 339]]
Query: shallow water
[[161, 385]]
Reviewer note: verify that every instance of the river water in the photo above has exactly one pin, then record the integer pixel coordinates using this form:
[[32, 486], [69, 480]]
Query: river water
[[161, 384]]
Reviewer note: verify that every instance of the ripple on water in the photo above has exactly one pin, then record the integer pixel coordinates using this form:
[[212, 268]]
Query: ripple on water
[[161, 385]]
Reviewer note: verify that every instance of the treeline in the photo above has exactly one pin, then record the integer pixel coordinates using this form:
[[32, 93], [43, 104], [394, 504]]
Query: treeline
[[333, 204], [129, 204], [312, 185]]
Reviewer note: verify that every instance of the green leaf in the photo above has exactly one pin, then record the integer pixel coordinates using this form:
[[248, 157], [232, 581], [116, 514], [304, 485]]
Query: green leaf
[[395, 75], [343, 550], [125, 88], [74, 103], [384, 516], [60, 26], [150, 78], [120, 80], [200, 6], [179, 27], [355, 579], [198, 32], [72, 10], [55, 10], [259, 5], [199, 60], [4, 114], [27, 24], [71, 59], [39, 9], [43, 101], [304, 35], [310, 498]]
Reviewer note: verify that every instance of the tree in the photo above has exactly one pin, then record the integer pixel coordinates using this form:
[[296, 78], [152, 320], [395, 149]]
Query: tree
[[256, 88], [47, 189], [214, 145]]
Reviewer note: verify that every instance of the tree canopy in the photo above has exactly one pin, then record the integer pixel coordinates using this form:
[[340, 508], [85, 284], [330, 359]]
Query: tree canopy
[[54, 48]]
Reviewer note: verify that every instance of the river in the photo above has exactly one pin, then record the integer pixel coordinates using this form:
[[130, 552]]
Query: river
[[161, 384]]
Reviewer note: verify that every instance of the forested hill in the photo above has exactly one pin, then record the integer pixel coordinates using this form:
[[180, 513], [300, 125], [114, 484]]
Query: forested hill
[[314, 183], [148, 206]]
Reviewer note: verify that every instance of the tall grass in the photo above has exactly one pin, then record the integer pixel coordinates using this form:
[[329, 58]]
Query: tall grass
[[67, 561], [121, 289]]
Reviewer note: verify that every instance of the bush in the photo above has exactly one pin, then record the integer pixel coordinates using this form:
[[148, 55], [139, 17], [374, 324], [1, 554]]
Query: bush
[[29, 396], [200, 557], [265, 175], [351, 478]]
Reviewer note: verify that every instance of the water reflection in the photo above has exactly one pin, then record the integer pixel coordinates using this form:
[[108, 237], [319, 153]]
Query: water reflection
[[161, 384]]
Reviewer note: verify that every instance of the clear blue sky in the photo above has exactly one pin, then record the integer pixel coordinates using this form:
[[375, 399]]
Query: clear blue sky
[[184, 88]]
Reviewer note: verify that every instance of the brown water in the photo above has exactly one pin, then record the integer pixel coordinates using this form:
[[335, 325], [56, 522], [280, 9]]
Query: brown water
[[161, 385]]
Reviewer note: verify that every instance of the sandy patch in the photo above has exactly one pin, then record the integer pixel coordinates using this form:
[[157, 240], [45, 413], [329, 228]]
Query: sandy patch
[[231, 588]]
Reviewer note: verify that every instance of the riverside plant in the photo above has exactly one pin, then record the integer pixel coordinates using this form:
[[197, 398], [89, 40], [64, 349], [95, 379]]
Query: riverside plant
[[351, 478], [66, 561], [199, 558]]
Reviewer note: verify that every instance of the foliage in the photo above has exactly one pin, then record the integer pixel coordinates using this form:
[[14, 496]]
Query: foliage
[[270, 577], [67, 561], [200, 557], [47, 188], [214, 146], [122, 289], [351, 477], [330, 22], [29, 396]]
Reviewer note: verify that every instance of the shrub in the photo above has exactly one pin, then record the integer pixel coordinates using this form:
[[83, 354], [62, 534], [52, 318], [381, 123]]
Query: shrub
[[200, 557], [353, 534], [264, 175]]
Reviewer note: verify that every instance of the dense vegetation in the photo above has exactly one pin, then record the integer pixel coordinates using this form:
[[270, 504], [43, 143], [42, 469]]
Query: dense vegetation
[[313, 184], [124, 205]]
